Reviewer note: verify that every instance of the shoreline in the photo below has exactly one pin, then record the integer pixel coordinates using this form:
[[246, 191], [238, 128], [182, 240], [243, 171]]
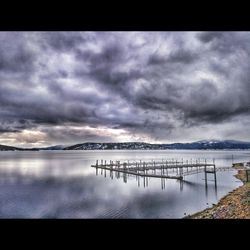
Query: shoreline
[[234, 205]]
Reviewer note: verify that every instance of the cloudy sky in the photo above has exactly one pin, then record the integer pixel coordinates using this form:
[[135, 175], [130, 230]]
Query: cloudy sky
[[71, 87]]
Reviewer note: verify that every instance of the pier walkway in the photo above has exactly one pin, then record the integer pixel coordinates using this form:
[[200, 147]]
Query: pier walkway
[[171, 169]]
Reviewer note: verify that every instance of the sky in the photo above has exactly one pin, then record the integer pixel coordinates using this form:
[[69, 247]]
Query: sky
[[156, 87]]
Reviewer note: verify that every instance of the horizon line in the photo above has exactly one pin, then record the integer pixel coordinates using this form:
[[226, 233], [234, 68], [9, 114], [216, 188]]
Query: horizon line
[[73, 144]]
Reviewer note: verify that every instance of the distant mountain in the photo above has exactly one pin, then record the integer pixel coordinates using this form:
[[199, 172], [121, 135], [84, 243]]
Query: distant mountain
[[226, 144], [204, 144], [8, 148], [56, 147], [111, 145]]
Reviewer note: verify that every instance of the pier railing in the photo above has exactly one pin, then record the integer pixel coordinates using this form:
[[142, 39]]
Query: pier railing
[[165, 169], [172, 169]]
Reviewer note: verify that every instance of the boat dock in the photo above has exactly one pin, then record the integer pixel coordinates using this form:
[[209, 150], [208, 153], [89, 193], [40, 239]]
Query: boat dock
[[169, 169], [164, 169]]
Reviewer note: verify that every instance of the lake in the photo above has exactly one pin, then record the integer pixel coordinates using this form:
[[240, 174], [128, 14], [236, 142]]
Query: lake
[[61, 184]]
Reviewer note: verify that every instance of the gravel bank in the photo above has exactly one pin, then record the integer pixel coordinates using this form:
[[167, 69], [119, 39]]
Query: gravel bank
[[235, 205]]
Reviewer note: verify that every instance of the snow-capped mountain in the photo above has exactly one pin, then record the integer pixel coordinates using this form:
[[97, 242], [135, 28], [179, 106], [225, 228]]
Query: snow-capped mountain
[[204, 144]]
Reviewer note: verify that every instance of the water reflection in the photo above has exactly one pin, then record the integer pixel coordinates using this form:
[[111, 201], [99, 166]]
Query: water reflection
[[62, 185], [144, 181], [212, 187]]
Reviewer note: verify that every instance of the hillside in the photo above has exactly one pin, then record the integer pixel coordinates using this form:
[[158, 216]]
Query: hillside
[[8, 148], [203, 145], [146, 146]]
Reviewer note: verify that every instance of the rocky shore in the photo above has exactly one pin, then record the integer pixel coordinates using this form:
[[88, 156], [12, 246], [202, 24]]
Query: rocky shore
[[235, 205]]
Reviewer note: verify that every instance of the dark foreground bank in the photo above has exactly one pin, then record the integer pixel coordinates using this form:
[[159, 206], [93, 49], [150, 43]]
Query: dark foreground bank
[[235, 205]]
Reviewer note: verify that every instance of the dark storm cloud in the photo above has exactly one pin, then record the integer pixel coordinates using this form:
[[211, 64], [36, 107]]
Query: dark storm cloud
[[148, 85], [18, 62], [15, 56], [180, 56], [13, 125], [62, 41], [207, 37], [104, 68]]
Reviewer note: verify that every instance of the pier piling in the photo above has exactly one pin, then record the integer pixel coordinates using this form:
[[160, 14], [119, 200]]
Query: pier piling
[[164, 169]]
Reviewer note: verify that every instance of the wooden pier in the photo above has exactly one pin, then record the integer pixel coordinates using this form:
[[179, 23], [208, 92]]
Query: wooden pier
[[168, 169], [164, 169]]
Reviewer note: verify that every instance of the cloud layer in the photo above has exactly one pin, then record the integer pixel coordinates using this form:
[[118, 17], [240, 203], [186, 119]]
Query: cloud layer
[[69, 87]]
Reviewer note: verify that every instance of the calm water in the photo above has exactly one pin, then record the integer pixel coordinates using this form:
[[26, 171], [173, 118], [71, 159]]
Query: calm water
[[59, 184]]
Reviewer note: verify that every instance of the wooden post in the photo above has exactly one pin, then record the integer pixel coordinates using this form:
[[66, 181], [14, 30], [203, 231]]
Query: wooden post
[[162, 166], [167, 167], [181, 185], [247, 178], [111, 169], [215, 179], [144, 180], [206, 174]]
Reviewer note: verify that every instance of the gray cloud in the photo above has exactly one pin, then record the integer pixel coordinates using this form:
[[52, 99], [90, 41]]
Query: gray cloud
[[180, 56], [141, 85], [16, 57], [207, 37]]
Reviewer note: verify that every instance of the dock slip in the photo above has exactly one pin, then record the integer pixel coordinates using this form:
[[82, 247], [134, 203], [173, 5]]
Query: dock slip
[[169, 169]]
